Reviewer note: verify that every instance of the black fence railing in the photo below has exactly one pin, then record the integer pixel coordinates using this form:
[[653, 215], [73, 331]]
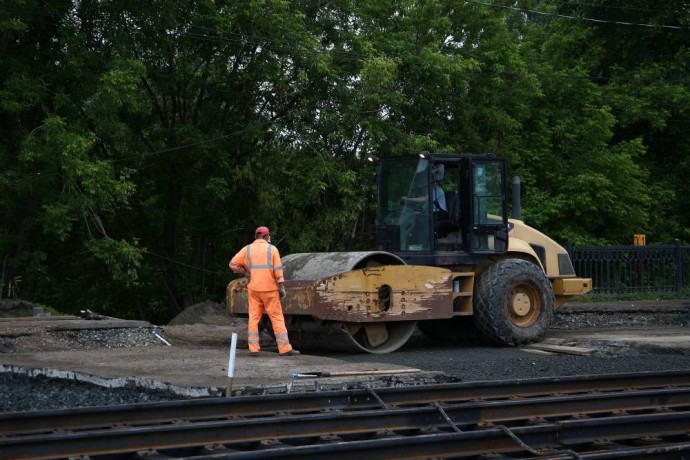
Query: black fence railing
[[629, 270]]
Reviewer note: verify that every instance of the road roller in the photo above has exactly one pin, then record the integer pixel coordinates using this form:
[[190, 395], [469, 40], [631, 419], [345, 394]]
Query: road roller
[[448, 262]]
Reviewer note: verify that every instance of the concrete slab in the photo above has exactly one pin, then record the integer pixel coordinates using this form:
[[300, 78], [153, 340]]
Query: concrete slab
[[193, 370], [116, 353]]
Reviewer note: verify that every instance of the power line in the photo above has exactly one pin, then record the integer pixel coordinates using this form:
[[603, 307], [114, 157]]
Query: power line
[[21, 174], [612, 7], [508, 73], [579, 18], [243, 39], [186, 146], [182, 264], [607, 78], [354, 56]]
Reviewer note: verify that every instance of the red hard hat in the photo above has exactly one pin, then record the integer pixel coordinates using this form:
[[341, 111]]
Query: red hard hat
[[262, 231]]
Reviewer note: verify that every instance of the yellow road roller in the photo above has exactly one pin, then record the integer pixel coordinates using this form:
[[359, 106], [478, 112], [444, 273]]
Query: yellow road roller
[[449, 262]]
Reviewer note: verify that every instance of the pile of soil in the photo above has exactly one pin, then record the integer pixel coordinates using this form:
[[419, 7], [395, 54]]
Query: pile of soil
[[203, 313], [207, 324]]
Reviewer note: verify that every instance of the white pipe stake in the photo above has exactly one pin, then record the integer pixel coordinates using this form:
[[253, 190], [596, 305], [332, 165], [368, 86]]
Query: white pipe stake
[[233, 347], [231, 365]]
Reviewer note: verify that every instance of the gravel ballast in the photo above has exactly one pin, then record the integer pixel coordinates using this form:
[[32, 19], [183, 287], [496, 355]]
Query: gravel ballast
[[25, 393]]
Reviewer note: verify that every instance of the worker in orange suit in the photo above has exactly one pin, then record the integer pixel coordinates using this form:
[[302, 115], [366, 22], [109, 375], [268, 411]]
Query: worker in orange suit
[[261, 262]]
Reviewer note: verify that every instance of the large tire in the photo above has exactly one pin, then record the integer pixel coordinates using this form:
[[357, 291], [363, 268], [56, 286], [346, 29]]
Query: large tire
[[513, 303]]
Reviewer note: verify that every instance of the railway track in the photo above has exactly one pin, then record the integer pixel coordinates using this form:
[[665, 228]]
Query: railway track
[[645, 415]]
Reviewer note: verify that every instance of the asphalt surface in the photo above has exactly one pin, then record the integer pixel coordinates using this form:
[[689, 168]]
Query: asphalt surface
[[612, 351], [618, 337]]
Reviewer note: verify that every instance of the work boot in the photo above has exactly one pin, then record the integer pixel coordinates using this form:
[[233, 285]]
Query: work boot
[[254, 354], [292, 352]]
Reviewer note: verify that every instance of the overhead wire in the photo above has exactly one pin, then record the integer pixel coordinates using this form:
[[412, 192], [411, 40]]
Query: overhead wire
[[182, 264], [244, 38], [609, 6], [579, 18]]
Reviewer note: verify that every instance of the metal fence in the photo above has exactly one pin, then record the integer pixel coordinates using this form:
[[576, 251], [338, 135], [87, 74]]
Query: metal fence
[[634, 270]]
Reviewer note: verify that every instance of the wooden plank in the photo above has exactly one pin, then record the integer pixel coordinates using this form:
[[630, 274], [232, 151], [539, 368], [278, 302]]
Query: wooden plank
[[580, 351], [315, 374], [534, 351]]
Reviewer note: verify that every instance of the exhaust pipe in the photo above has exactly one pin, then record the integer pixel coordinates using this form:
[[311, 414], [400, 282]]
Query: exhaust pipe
[[516, 198]]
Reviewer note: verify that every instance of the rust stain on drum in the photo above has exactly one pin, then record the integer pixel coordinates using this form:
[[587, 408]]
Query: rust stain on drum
[[415, 292]]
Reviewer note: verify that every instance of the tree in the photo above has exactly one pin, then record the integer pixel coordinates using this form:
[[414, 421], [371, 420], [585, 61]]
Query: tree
[[584, 182], [143, 142], [54, 181], [634, 58]]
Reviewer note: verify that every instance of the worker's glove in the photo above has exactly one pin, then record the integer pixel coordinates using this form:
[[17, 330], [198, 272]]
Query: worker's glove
[[281, 288]]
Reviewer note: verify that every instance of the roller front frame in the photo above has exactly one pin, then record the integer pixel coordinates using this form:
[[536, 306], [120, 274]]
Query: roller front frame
[[372, 294]]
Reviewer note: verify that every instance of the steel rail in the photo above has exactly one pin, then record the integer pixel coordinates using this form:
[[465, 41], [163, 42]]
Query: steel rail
[[296, 403], [458, 416], [559, 439]]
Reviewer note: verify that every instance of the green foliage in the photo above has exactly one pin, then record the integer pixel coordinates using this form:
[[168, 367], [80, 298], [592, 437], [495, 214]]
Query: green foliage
[[121, 258], [600, 124], [142, 142]]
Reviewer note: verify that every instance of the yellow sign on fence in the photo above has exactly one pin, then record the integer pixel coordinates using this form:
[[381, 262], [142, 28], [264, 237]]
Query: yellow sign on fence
[[639, 239]]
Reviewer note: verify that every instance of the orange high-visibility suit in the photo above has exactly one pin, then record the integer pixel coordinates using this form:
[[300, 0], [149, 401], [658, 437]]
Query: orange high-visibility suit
[[262, 261]]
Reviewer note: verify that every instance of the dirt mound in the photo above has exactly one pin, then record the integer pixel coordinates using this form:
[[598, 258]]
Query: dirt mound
[[208, 324], [203, 313]]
